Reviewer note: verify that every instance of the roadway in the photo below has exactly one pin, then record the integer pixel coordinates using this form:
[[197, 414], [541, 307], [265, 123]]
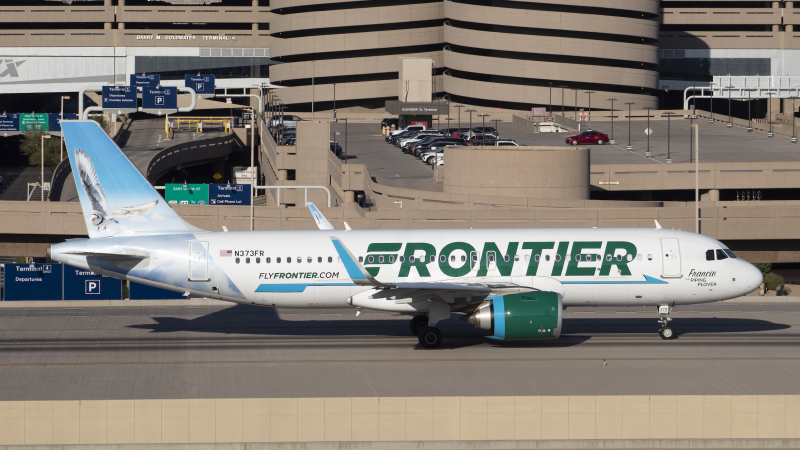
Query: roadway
[[238, 351]]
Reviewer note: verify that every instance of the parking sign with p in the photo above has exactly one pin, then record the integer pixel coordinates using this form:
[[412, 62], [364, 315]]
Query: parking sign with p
[[92, 287]]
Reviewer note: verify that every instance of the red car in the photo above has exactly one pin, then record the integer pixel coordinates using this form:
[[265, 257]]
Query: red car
[[588, 137]]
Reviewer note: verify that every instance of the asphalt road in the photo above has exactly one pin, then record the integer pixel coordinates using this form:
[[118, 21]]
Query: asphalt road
[[237, 351]]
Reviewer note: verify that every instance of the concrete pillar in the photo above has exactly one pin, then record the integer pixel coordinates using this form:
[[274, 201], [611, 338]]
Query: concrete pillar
[[776, 28], [713, 195], [106, 2], [255, 3], [121, 3], [255, 27], [283, 175], [776, 4], [789, 28], [349, 196], [107, 26], [121, 25]]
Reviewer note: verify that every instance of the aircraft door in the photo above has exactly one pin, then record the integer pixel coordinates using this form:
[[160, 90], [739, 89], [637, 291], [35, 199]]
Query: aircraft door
[[671, 257], [473, 259], [198, 261]]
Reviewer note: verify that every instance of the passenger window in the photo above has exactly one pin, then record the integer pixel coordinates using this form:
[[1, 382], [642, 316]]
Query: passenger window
[[491, 257], [721, 254], [411, 258], [516, 257], [330, 259], [299, 259], [452, 258], [391, 259], [380, 259], [442, 258], [463, 258], [619, 257], [361, 259], [402, 259], [608, 257], [278, 260], [309, 260], [433, 258], [709, 255], [258, 260], [474, 258], [371, 259], [319, 259], [649, 257], [247, 260], [237, 260], [547, 257], [536, 258], [577, 257], [288, 259], [639, 257], [558, 258], [506, 258], [629, 258]]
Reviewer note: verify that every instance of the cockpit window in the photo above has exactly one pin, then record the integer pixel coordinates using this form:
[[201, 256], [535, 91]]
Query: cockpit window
[[709, 255], [729, 253], [721, 254]]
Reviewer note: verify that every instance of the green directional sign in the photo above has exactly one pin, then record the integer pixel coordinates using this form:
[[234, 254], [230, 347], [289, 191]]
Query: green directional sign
[[192, 194], [33, 122]]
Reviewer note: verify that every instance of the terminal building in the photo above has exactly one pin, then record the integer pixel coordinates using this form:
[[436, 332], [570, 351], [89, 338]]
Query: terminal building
[[509, 54]]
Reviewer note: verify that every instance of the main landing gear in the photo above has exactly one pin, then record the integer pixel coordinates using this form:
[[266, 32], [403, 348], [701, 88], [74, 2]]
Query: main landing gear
[[666, 331], [429, 337]]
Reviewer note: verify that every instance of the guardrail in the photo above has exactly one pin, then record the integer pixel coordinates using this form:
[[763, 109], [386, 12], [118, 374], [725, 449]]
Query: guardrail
[[306, 188]]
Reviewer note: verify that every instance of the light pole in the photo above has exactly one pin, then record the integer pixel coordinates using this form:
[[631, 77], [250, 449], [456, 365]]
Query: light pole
[[551, 98], [691, 125], [711, 104], [694, 111], [496, 127], [794, 136], [470, 111], [665, 89], [669, 114], [483, 130], [647, 153], [334, 102], [252, 166], [345, 141], [630, 147], [590, 107], [612, 141], [459, 118], [44, 136], [730, 119], [575, 117], [61, 148], [769, 107], [562, 99]]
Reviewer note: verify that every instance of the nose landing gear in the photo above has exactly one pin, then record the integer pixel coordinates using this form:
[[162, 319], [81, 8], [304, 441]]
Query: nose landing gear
[[666, 331]]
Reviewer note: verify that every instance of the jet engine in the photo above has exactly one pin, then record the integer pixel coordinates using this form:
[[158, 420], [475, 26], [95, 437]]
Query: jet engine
[[528, 315]]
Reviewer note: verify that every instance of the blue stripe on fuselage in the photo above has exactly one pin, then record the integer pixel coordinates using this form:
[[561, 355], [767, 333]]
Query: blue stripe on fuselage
[[300, 287]]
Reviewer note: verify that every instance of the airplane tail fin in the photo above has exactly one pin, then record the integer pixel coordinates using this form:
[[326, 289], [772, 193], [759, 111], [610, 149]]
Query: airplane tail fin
[[116, 199]]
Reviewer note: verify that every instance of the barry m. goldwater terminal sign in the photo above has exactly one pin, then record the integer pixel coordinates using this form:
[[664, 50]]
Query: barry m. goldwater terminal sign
[[416, 108]]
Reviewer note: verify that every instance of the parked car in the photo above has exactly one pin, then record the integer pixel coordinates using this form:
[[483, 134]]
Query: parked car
[[485, 142], [485, 130], [290, 141], [437, 142], [588, 137], [413, 142], [403, 135], [427, 156], [389, 121], [285, 120], [509, 143], [481, 139], [408, 128], [336, 148], [418, 136]]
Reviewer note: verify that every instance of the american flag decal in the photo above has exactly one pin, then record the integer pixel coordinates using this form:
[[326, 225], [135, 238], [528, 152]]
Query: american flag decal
[[226, 253]]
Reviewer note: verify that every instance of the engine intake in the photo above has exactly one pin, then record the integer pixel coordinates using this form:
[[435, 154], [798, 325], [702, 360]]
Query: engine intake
[[529, 315]]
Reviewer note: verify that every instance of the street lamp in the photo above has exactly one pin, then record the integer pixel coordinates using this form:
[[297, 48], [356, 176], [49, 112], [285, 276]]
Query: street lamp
[[61, 148], [551, 97], [575, 117], [730, 119], [612, 141], [794, 136], [665, 89], [44, 136], [470, 111], [669, 114], [711, 104], [334, 103], [590, 107], [459, 117], [769, 106], [647, 153], [483, 130], [496, 127], [630, 147], [562, 99]]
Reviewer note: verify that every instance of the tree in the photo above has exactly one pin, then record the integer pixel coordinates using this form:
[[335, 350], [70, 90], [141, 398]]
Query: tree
[[31, 146], [773, 281], [765, 268], [99, 118]]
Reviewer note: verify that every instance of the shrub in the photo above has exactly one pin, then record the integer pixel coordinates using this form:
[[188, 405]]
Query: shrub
[[773, 281], [763, 267]]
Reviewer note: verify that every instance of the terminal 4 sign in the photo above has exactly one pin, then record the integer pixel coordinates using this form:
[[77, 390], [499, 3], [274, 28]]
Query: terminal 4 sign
[[9, 123], [161, 100], [144, 81], [203, 85], [121, 99]]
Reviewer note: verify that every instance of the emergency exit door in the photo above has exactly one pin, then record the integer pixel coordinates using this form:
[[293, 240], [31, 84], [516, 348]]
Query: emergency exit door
[[198, 261], [671, 257]]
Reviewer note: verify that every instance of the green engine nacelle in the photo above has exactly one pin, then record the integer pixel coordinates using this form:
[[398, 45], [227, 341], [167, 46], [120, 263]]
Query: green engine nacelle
[[530, 315]]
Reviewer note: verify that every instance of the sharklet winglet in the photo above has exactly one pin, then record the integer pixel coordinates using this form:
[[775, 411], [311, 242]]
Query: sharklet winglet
[[355, 270]]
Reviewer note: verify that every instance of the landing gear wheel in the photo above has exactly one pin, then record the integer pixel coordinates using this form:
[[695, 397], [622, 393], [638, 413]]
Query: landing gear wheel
[[430, 337], [667, 333], [418, 323]]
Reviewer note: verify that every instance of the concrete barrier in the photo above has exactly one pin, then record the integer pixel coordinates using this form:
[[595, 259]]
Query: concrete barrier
[[629, 421]]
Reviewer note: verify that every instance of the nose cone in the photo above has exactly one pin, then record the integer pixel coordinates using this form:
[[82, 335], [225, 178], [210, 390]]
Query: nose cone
[[751, 276]]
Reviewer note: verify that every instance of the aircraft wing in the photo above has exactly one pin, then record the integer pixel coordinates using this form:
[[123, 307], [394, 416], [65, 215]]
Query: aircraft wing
[[319, 218]]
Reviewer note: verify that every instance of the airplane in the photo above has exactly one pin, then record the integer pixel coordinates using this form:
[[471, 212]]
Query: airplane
[[513, 283]]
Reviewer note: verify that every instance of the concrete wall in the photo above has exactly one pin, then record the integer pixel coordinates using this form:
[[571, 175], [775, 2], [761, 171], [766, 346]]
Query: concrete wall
[[537, 172], [415, 80], [399, 419]]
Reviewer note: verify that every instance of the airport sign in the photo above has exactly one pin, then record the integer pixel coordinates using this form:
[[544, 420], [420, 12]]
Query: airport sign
[[120, 99], [203, 85], [9, 123], [144, 81], [161, 100], [191, 194], [229, 194], [54, 120], [33, 122]]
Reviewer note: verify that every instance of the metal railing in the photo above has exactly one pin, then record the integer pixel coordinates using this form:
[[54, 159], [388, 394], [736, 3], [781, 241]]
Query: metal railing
[[306, 188]]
